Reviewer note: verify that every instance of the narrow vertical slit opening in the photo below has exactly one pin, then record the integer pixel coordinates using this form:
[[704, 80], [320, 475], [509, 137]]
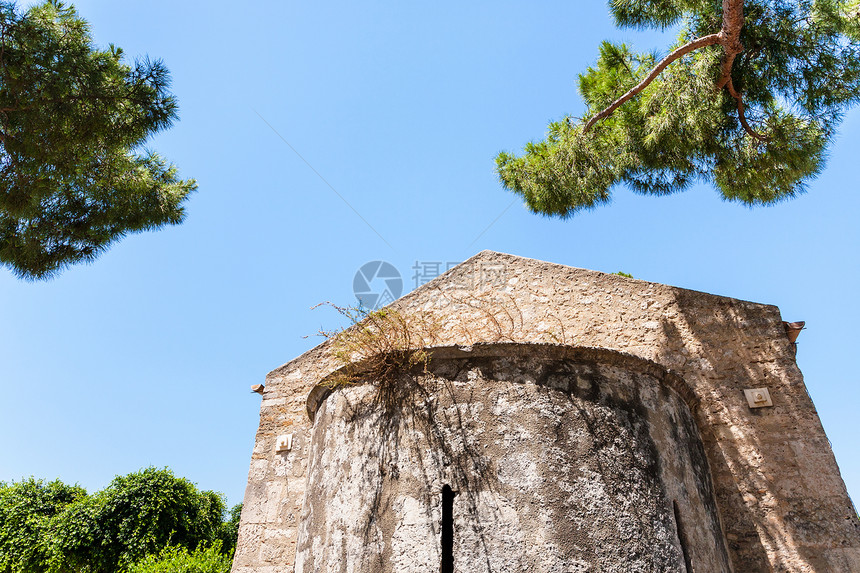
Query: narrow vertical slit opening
[[447, 529], [682, 537]]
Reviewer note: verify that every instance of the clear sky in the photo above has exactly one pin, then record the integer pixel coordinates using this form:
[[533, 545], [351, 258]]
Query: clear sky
[[146, 357]]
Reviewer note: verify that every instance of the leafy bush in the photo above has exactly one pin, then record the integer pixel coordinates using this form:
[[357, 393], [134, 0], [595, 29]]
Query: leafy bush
[[137, 515], [230, 529], [27, 509], [57, 528], [177, 559]]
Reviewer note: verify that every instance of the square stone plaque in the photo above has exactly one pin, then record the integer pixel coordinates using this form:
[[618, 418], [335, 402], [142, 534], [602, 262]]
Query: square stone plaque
[[758, 397]]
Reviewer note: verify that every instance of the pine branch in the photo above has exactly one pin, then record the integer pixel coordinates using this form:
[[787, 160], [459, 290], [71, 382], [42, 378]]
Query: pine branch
[[728, 37], [730, 86], [709, 40], [805, 54]]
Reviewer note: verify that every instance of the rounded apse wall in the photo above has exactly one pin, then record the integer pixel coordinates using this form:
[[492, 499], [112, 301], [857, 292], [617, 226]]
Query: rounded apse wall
[[511, 458]]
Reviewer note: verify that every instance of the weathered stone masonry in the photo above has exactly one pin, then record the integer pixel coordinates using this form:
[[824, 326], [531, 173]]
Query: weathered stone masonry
[[562, 459], [766, 494]]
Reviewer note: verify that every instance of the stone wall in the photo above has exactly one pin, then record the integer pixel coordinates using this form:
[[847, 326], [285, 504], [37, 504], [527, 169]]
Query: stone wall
[[562, 460], [781, 499]]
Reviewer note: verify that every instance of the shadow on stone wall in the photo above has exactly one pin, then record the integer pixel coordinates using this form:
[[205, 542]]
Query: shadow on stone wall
[[408, 408], [775, 507], [552, 452]]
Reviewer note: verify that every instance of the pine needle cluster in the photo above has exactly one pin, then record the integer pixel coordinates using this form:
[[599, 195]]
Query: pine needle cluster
[[752, 114], [73, 120]]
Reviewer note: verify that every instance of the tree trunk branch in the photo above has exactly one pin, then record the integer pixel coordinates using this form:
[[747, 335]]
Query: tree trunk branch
[[741, 115], [729, 37], [709, 40], [733, 21]]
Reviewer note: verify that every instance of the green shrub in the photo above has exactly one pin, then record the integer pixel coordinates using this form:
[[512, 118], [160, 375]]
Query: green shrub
[[27, 509], [230, 529], [136, 515], [177, 559], [56, 528]]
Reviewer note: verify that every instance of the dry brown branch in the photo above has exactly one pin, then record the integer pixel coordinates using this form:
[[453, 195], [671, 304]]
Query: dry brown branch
[[388, 347], [503, 316], [380, 345], [562, 339]]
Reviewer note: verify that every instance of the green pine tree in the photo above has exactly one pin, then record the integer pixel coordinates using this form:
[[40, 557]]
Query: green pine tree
[[73, 119], [748, 99]]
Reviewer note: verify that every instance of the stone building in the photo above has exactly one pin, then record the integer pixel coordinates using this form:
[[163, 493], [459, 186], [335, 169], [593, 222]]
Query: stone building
[[559, 420]]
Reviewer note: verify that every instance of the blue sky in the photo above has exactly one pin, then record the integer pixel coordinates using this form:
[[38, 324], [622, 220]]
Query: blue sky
[[146, 357]]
